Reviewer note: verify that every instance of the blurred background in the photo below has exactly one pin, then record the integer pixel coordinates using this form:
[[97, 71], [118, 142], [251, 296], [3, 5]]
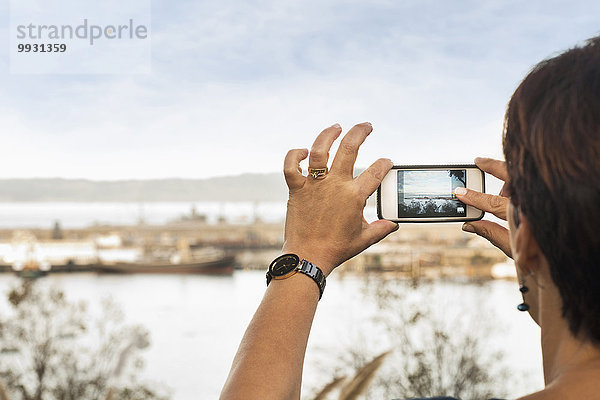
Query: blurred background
[[139, 210]]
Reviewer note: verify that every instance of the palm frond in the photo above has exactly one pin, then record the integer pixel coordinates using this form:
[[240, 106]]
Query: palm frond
[[360, 382], [3, 393], [322, 395]]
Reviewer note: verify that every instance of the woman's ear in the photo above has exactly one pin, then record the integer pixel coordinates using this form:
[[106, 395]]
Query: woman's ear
[[526, 252]]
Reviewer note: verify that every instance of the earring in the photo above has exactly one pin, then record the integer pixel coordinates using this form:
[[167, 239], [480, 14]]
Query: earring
[[523, 289]]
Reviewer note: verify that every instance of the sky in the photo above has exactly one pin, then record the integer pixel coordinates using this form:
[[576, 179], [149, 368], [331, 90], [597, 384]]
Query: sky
[[234, 85]]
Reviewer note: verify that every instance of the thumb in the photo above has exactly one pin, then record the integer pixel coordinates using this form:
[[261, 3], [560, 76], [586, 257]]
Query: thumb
[[379, 229], [495, 233]]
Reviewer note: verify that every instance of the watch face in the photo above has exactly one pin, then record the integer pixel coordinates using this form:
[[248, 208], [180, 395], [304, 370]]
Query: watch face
[[284, 265]]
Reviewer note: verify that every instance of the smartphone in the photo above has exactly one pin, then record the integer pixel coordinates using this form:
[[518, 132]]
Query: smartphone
[[425, 193]]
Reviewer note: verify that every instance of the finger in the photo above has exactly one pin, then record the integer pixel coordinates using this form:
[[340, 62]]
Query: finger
[[319, 153], [292, 170], [494, 167], [371, 177], [483, 201], [377, 230], [344, 160], [496, 234], [504, 192]]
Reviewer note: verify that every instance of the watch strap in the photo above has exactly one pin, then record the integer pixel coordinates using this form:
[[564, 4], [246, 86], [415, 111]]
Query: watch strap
[[310, 269]]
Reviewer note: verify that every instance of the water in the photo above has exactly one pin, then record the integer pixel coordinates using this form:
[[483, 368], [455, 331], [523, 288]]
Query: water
[[79, 215], [196, 322]]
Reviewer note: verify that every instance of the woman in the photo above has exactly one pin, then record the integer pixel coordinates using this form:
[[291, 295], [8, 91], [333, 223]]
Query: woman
[[551, 200]]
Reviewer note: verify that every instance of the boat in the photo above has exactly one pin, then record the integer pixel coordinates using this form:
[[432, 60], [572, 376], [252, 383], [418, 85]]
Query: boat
[[27, 256], [220, 266]]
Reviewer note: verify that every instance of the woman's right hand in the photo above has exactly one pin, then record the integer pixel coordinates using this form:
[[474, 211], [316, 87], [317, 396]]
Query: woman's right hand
[[497, 205]]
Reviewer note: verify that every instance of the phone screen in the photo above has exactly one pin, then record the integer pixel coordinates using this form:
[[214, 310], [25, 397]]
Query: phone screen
[[430, 193]]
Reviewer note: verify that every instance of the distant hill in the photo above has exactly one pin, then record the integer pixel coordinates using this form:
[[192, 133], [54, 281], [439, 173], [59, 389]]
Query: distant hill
[[246, 187]]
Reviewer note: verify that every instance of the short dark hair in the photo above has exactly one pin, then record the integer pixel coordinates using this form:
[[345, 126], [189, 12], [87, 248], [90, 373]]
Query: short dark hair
[[552, 148]]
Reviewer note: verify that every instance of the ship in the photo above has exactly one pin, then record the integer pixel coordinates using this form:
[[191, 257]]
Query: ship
[[221, 266], [182, 260]]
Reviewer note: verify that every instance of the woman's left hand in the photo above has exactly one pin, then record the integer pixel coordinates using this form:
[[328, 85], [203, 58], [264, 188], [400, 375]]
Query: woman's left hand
[[324, 222]]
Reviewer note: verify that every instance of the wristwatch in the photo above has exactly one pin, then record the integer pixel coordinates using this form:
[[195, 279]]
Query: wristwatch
[[290, 264]]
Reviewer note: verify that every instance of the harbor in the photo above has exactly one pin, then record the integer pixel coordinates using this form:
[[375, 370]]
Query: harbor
[[197, 243]]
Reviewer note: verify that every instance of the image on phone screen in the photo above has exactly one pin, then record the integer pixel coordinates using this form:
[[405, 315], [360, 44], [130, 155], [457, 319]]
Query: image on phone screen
[[424, 194]]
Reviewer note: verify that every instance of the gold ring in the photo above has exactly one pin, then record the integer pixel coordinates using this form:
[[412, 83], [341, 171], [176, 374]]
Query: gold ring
[[317, 173]]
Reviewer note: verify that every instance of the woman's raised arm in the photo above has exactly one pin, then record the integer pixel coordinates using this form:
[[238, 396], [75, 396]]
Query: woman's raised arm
[[324, 225]]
